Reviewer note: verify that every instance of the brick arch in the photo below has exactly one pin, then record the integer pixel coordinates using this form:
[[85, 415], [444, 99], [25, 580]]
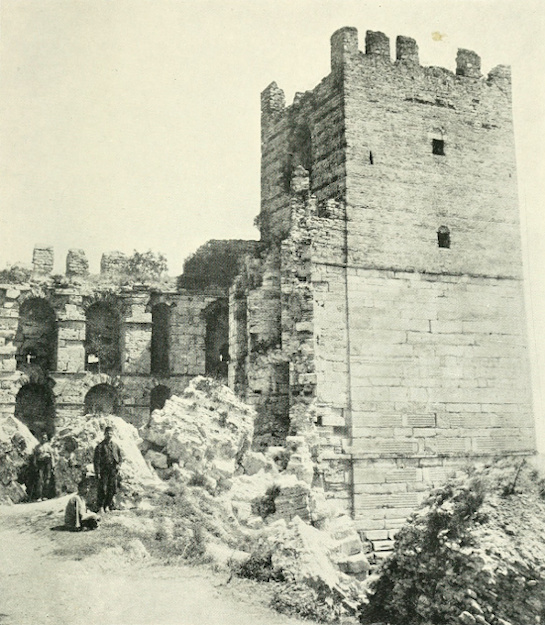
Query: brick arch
[[102, 399]]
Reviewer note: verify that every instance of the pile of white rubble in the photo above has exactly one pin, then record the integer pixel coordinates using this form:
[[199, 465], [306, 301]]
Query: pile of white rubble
[[16, 445]]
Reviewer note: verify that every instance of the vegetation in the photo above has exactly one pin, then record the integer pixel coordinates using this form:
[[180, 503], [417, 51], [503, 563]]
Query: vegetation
[[16, 274], [216, 263]]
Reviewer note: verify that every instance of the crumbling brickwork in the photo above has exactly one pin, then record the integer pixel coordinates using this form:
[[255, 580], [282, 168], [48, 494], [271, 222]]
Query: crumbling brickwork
[[391, 190], [74, 343]]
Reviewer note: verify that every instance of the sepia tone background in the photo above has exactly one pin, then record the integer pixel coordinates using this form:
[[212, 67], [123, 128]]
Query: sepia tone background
[[135, 124]]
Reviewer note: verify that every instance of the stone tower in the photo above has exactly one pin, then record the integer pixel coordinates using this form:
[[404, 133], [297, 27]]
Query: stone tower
[[392, 284]]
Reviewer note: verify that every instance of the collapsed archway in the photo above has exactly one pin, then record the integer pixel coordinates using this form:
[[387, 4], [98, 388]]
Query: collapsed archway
[[158, 397], [35, 407], [102, 399], [36, 337], [102, 338]]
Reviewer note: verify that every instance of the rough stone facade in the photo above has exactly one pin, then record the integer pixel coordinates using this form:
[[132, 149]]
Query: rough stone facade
[[59, 360], [387, 305], [381, 315]]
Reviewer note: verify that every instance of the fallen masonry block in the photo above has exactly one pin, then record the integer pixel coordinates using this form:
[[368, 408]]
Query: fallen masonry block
[[206, 430]]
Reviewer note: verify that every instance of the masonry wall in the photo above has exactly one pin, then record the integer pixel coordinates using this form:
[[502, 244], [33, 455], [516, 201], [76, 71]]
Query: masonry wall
[[320, 113], [414, 355], [68, 382]]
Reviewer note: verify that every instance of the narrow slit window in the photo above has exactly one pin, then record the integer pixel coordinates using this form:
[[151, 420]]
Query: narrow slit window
[[370, 158], [438, 147], [443, 237]]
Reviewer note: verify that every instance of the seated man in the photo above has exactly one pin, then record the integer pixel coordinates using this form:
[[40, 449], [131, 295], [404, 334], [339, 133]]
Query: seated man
[[76, 517]]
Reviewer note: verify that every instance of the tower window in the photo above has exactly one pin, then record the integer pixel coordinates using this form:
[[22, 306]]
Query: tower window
[[443, 237], [438, 147], [371, 158]]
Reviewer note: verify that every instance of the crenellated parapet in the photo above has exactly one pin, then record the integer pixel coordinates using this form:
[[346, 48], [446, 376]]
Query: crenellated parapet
[[344, 50]]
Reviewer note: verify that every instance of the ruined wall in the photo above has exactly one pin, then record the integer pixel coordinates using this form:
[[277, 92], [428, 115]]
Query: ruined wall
[[60, 385], [307, 134]]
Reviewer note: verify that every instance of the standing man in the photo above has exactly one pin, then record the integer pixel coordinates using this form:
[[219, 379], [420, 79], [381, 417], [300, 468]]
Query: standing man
[[43, 460], [107, 460]]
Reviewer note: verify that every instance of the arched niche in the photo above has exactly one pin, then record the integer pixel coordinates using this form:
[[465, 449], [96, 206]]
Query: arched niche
[[102, 399], [36, 337], [103, 338], [35, 407]]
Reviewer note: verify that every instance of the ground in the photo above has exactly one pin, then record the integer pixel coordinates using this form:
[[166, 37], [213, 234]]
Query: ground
[[49, 576]]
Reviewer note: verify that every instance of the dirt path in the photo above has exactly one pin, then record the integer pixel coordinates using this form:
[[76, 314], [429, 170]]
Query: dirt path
[[38, 587]]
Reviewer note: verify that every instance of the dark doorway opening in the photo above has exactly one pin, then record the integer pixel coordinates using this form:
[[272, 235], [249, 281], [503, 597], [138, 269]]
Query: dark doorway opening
[[102, 399], [160, 339], [217, 339], [158, 397], [35, 407]]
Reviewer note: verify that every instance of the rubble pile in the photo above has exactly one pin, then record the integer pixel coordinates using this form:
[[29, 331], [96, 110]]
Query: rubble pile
[[474, 553], [205, 432], [75, 444], [16, 445], [307, 561]]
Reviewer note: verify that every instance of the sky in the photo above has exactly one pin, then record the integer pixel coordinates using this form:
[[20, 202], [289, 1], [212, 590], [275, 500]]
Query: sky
[[133, 124]]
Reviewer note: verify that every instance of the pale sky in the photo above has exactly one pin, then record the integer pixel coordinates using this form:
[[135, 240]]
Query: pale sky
[[132, 124]]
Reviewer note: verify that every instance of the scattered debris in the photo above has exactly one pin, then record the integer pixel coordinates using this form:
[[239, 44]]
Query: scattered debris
[[16, 445], [205, 432], [75, 444]]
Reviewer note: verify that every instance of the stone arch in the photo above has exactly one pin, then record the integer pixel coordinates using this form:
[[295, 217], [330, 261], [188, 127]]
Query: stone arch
[[217, 339], [102, 399], [35, 407], [158, 397], [36, 337], [103, 338], [160, 339]]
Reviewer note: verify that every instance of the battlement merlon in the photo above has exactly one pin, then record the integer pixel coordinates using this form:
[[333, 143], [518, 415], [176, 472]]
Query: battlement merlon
[[273, 103]]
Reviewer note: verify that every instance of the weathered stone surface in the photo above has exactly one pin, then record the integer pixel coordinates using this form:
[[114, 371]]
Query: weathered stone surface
[[16, 444], [253, 462], [76, 263], [42, 259], [157, 459], [206, 430]]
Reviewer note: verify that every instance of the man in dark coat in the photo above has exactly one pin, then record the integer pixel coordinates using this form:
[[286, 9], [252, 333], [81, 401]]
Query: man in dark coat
[[107, 460]]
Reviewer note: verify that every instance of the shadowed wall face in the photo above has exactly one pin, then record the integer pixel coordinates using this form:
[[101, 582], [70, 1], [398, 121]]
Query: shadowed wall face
[[102, 339], [36, 337]]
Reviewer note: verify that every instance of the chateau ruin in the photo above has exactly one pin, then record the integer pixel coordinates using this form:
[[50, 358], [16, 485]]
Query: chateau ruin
[[381, 313]]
